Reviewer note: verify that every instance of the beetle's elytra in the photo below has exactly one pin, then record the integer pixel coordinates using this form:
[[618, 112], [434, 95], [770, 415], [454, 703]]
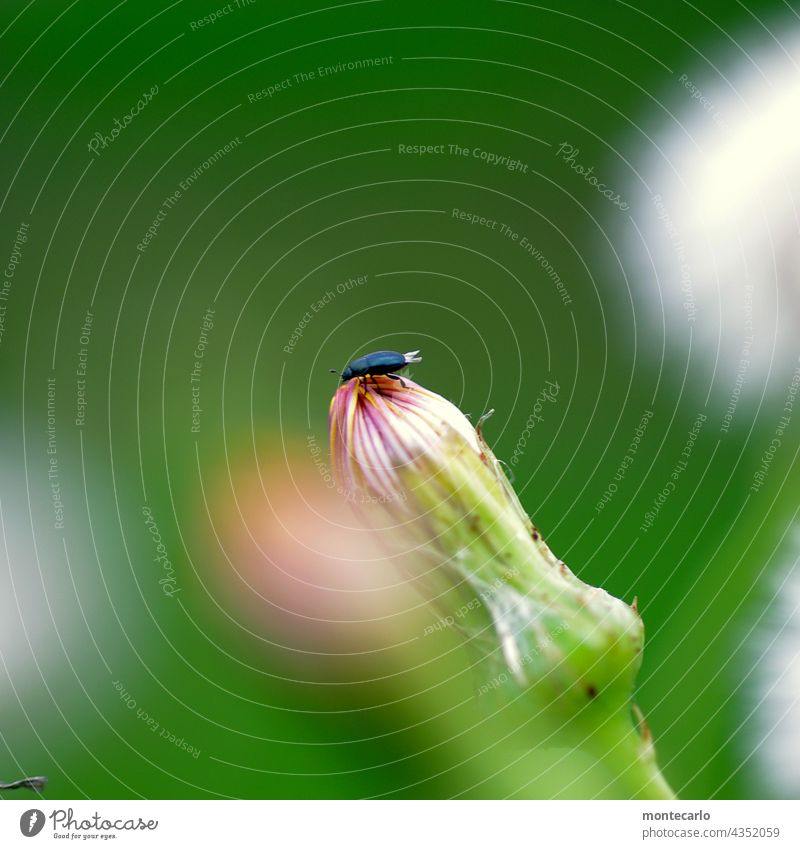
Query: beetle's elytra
[[379, 362]]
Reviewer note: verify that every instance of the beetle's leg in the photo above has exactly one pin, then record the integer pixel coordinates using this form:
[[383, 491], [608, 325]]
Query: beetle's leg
[[397, 377]]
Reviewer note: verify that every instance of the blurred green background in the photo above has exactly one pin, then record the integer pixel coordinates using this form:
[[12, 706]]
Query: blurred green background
[[266, 654]]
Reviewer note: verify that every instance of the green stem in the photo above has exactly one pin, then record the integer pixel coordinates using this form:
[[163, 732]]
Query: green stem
[[629, 756], [571, 647]]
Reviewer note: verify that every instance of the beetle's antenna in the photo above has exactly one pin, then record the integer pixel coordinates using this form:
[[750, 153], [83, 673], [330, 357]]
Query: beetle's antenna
[[333, 371]]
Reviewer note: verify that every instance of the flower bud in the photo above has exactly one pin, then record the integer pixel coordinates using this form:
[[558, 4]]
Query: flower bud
[[400, 446]]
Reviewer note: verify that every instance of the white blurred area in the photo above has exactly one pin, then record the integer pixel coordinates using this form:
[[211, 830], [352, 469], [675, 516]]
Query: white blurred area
[[37, 610], [15, 656], [774, 734], [717, 201]]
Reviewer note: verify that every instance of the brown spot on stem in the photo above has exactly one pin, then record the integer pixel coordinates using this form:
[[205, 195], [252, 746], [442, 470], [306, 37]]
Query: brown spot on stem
[[591, 691], [644, 728]]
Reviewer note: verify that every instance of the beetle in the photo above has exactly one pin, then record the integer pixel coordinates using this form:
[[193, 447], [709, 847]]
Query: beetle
[[379, 362]]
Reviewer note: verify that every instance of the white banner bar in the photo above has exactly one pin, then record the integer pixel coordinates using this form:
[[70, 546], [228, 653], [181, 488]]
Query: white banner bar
[[401, 824]]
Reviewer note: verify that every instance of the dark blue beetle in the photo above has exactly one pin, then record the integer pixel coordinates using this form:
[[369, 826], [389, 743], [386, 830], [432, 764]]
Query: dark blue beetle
[[379, 362]]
